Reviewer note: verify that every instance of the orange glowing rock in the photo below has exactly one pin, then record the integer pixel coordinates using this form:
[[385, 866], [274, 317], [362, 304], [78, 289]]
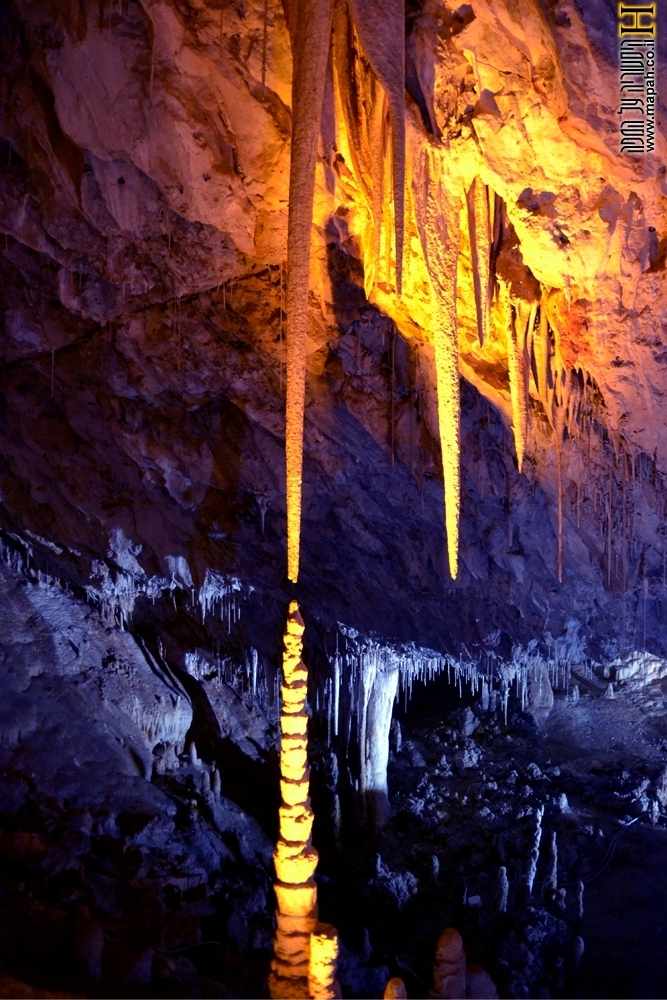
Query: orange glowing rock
[[297, 867], [287, 923], [294, 693], [324, 950], [309, 23], [295, 724], [294, 792], [288, 988], [437, 213], [296, 973], [480, 246], [381, 27], [292, 948], [294, 744], [296, 822], [293, 764], [395, 990], [297, 968], [510, 323], [296, 900], [449, 970]]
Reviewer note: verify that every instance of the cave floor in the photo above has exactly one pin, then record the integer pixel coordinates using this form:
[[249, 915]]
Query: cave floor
[[625, 916], [471, 802]]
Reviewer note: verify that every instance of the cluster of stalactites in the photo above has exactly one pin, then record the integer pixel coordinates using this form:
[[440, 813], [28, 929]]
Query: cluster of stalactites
[[369, 68], [380, 27], [516, 318], [553, 385], [533, 348], [304, 953], [373, 105]]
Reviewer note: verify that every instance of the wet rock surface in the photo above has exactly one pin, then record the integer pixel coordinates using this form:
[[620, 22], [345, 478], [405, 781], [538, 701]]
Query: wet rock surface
[[123, 869], [466, 809], [137, 831]]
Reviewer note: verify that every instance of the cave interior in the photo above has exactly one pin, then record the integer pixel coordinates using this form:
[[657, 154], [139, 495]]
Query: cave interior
[[333, 501]]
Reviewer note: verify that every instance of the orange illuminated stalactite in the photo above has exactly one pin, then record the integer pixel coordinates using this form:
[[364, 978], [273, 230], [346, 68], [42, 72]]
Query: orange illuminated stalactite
[[437, 216], [541, 350], [310, 33], [479, 226], [377, 163], [380, 25], [510, 318], [559, 473], [449, 419], [561, 401], [516, 390]]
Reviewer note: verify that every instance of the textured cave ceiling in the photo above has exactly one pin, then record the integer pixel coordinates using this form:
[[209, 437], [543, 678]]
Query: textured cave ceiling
[[144, 189]]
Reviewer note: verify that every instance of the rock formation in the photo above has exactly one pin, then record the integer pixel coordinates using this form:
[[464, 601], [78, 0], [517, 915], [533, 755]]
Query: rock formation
[[452, 977], [294, 857], [291, 281]]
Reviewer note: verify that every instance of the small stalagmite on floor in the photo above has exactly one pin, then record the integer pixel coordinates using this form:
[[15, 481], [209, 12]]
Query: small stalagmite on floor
[[452, 978], [449, 969], [395, 990]]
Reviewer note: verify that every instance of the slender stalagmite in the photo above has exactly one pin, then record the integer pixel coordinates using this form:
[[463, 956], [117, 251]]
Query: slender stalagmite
[[438, 221], [294, 856], [479, 227], [310, 33]]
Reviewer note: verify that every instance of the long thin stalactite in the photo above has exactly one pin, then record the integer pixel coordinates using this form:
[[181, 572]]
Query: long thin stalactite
[[310, 33], [437, 212], [479, 228]]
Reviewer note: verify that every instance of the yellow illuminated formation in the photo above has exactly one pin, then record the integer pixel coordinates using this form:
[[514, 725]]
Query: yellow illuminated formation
[[507, 321], [438, 220], [381, 28], [479, 226], [295, 858], [310, 31], [323, 961]]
